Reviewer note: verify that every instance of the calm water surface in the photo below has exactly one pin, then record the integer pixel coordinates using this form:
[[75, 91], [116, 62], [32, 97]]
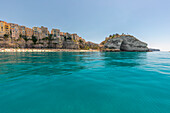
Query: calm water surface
[[125, 82]]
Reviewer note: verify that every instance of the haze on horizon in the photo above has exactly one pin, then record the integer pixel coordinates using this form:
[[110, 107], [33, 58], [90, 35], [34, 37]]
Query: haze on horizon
[[148, 20]]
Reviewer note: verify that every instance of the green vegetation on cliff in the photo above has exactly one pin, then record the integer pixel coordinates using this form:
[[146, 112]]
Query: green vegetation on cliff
[[116, 35]]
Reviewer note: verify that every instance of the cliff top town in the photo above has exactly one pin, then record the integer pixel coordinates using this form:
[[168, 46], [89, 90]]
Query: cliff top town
[[16, 36]]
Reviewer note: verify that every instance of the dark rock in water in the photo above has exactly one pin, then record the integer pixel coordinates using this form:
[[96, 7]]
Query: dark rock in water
[[151, 49], [69, 44], [114, 43], [131, 43], [126, 43]]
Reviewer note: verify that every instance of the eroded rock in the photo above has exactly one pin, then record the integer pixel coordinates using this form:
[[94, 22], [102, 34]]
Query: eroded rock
[[126, 43]]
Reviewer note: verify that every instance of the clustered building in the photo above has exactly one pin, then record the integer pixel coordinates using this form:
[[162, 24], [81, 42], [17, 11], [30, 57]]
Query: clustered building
[[16, 31]]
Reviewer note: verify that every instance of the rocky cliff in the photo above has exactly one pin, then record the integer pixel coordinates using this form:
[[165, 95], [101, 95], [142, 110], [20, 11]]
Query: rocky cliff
[[70, 44], [115, 42], [65, 43], [125, 43]]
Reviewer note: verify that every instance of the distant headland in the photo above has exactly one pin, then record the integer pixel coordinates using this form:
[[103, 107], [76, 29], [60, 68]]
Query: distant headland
[[124, 43], [19, 37]]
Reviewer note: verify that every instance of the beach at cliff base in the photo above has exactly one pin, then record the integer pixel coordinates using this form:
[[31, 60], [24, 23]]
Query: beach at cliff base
[[45, 50]]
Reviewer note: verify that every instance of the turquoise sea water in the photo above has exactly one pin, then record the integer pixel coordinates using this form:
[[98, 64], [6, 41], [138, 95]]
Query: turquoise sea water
[[122, 82]]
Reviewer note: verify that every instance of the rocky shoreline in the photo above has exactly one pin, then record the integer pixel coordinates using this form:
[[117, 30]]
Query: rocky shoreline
[[61, 50], [45, 50], [115, 43]]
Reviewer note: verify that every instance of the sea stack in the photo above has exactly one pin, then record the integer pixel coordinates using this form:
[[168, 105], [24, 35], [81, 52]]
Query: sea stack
[[125, 43]]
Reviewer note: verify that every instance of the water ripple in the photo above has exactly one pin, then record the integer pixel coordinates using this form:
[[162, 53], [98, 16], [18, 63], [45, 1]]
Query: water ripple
[[66, 82]]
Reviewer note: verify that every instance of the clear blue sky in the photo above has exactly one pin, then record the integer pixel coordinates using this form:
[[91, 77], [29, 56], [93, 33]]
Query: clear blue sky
[[148, 20]]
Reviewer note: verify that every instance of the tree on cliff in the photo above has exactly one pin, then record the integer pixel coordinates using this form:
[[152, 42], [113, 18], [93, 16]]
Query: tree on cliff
[[26, 40], [46, 38], [65, 38], [34, 39], [6, 36], [69, 38], [50, 40], [80, 41], [11, 34], [20, 36], [117, 34]]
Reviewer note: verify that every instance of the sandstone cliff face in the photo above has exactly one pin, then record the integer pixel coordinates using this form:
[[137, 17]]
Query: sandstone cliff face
[[126, 43], [21, 43], [9, 43], [92, 45], [57, 43], [117, 42], [70, 44], [114, 43], [133, 44]]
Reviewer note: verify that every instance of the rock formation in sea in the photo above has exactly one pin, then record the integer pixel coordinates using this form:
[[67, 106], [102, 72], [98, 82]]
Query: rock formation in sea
[[125, 43], [114, 43], [152, 49]]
